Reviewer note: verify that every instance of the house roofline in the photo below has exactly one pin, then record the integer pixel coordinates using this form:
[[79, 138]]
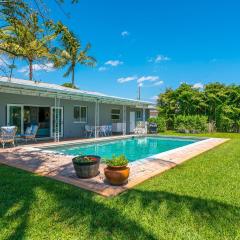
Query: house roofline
[[26, 87]]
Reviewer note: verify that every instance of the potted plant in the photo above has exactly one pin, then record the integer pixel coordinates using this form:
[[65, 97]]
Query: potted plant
[[117, 172], [86, 166]]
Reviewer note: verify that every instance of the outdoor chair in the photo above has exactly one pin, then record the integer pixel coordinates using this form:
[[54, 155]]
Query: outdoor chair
[[30, 133], [140, 129], [103, 131], [89, 131], [109, 130], [7, 135]]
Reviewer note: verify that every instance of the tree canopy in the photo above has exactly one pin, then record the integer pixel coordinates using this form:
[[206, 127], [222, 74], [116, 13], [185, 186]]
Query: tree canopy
[[219, 102]]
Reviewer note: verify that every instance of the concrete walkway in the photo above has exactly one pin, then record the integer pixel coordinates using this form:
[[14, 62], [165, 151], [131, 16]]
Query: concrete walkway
[[60, 167]]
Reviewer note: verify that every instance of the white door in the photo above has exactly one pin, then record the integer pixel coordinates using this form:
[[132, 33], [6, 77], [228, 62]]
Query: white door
[[56, 121], [132, 121]]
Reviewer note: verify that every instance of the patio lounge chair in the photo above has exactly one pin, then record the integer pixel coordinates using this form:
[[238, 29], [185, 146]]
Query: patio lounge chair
[[7, 135], [140, 129], [30, 133]]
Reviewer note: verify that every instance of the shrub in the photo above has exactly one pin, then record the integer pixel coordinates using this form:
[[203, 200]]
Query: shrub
[[82, 159], [161, 123], [117, 161], [190, 124]]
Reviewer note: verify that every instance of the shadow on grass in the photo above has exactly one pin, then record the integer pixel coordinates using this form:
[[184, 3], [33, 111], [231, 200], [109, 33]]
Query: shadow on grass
[[73, 206], [98, 217]]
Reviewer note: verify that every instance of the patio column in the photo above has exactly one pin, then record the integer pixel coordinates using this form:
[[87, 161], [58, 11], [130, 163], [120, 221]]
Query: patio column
[[57, 119], [96, 118], [144, 117], [124, 120]]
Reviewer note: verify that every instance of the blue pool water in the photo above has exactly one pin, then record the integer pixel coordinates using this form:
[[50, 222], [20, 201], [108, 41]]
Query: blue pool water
[[132, 148]]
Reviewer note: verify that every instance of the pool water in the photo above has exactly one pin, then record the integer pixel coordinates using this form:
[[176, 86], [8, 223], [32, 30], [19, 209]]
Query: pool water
[[133, 148]]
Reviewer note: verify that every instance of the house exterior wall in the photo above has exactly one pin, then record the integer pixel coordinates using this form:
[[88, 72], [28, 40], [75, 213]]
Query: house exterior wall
[[71, 128]]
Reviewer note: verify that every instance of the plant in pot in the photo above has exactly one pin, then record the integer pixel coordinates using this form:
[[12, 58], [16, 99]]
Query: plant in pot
[[117, 172], [86, 166]]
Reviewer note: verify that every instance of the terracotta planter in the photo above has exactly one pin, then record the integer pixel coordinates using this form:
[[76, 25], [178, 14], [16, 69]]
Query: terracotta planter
[[117, 175], [87, 169]]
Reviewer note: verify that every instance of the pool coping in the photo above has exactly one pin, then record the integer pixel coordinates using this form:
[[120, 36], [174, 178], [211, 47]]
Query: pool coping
[[141, 170]]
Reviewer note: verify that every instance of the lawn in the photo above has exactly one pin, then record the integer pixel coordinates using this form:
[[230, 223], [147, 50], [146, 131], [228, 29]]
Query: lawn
[[199, 199]]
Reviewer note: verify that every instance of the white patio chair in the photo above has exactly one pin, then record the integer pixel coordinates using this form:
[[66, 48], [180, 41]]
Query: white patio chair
[[89, 131], [7, 135], [109, 130]]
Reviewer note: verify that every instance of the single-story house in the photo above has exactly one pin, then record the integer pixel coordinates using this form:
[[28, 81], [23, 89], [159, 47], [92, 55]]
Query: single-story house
[[67, 110]]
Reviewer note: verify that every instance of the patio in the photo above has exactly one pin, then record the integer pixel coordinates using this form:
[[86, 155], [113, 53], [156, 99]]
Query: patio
[[59, 167]]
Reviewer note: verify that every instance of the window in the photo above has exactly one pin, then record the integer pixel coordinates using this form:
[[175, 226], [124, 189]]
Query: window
[[139, 115], [80, 114], [115, 114]]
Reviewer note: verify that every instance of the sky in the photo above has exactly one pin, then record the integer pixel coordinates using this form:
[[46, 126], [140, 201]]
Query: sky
[[152, 43]]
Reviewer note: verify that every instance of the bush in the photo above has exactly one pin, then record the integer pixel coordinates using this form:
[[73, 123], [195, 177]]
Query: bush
[[161, 123], [191, 124], [117, 161]]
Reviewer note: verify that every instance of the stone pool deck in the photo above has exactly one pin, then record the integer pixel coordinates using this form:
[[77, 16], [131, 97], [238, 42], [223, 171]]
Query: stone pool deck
[[59, 167]]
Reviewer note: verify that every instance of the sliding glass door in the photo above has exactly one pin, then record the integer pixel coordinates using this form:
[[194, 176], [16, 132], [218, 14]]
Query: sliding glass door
[[15, 117]]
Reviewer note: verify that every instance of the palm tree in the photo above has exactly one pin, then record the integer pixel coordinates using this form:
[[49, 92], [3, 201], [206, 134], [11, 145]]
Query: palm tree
[[72, 53], [25, 39]]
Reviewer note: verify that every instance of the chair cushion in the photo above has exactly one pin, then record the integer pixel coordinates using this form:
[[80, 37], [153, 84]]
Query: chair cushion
[[28, 130]]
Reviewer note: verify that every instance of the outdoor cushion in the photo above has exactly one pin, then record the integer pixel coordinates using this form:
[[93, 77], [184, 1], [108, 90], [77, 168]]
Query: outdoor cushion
[[8, 129], [28, 130]]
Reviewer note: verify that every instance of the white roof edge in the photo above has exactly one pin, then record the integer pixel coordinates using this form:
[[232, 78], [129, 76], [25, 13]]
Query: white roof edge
[[54, 88]]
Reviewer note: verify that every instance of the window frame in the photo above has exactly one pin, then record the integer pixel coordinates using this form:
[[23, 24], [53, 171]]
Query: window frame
[[141, 115], [80, 117], [116, 114]]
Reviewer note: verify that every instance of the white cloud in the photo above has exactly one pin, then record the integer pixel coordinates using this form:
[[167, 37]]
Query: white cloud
[[113, 63], [102, 69], [154, 98], [159, 58], [49, 67], [158, 83], [147, 78], [198, 85], [125, 33], [140, 80], [127, 79]]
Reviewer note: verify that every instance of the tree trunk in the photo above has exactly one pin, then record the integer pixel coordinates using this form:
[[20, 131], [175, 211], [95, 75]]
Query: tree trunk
[[30, 70], [73, 76]]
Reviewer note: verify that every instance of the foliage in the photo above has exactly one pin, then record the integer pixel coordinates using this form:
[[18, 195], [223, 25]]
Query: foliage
[[161, 123], [117, 161], [191, 123], [84, 159], [200, 192], [71, 53], [24, 37], [69, 85], [27, 34], [218, 102]]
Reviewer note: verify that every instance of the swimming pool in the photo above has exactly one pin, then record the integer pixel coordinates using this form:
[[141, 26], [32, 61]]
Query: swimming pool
[[133, 148]]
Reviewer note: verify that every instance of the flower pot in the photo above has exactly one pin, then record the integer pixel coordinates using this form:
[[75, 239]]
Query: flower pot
[[87, 169], [117, 175]]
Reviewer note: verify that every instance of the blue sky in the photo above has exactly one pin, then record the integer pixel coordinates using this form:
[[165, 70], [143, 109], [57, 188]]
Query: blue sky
[[155, 43]]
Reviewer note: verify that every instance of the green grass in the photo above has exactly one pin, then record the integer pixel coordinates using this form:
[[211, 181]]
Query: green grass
[[199, 199]]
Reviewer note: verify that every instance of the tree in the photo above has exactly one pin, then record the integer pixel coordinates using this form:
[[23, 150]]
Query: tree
[[220, 103], [72, 53], [69, 85], [26, 39]]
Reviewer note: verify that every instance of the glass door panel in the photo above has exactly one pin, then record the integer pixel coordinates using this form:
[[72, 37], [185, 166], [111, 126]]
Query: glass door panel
[[15, 117]]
